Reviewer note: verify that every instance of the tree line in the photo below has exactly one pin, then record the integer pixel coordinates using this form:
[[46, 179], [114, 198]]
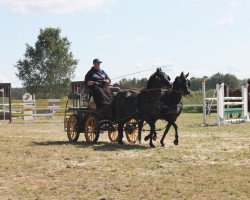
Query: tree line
[[229, 79], [196, 82]]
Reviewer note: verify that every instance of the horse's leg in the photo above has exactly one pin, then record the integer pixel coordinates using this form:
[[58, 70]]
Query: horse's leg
[[147, 137], [164, 134], [155, 136], [176, 141], [140, 126], [120, 132], [152, 130]]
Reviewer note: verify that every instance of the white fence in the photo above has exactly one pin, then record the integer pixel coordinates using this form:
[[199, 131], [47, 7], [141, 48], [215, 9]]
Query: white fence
[[30, 110]]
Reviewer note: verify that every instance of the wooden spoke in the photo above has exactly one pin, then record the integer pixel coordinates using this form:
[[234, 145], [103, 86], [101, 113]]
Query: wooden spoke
[[91, 130], [113, 134], [72, 131], [131, 131]]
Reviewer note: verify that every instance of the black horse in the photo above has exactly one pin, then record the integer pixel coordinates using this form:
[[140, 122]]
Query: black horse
[[143, 106], [172, 106]]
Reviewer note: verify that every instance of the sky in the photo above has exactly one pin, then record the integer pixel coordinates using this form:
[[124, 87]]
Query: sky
[[202, 37]]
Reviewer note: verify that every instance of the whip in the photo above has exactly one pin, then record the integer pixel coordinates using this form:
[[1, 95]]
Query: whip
[[146, 70]]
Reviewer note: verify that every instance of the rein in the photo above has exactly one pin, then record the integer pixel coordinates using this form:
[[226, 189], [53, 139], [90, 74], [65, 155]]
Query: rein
[[180, 92], [152, 89], [147, 130]]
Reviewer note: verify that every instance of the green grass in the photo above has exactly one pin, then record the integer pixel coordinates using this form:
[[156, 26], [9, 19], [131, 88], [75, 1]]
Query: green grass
[[37, 162]]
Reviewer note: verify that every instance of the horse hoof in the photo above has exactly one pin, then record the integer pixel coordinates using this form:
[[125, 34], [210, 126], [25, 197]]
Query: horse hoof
[[146, 138], [152, 146], [176, 142], [163, 145], [155, 138], [121, 142]]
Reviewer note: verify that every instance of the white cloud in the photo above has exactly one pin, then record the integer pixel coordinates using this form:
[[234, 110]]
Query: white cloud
[[56, 6], [242, 45], [226, 21], [106, 37], [143, 39], [139, 65], [162, 62], [234, 3]]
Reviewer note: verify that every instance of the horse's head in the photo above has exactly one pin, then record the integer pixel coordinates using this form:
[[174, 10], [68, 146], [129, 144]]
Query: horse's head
[[182, 84], [159, 80]]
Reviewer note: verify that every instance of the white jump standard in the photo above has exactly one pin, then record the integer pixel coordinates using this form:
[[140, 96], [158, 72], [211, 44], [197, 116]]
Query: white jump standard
[[224, 109]]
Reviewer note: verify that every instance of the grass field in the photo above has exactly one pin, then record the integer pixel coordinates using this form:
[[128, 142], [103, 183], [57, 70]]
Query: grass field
[[37, 162]]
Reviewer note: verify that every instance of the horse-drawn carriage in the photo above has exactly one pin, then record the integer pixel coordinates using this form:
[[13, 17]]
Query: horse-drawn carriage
[[129, 110], [79, 118]]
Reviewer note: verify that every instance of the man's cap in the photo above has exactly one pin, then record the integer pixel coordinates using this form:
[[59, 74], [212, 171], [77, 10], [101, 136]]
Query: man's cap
[[96, 61]]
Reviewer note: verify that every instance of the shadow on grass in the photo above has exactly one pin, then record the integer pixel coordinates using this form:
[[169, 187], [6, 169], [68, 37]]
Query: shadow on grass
[[55, 143], [100, 146]]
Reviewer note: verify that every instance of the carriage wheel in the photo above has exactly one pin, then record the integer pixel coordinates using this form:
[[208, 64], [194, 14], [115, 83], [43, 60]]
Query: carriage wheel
[[113, 134], [72, 131], [131, 131], [91, 130]]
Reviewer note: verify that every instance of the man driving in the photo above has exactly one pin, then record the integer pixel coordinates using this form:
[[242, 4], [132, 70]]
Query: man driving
[[98, 82]]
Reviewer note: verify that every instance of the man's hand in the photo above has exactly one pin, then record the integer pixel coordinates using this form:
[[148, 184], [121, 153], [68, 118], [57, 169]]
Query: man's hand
[[90, 83], [106, 82]]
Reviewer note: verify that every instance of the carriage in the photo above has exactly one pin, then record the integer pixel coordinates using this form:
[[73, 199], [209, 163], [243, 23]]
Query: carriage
[[79, 118]]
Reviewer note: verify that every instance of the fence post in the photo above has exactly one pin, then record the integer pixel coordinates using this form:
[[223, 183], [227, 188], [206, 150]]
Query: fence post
[[218, 103], [245, 116], [204, 102], [34, 99], [10, 104], [2, 90]]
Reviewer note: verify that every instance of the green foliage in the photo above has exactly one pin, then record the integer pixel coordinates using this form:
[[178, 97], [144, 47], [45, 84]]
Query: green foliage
[[229, 79], [197, 82], [196, 97], [47, 68], [17, 93]]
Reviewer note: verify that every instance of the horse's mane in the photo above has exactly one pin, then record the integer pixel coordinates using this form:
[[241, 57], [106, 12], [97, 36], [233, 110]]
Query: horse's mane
[[177, 80], [150, 80]]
